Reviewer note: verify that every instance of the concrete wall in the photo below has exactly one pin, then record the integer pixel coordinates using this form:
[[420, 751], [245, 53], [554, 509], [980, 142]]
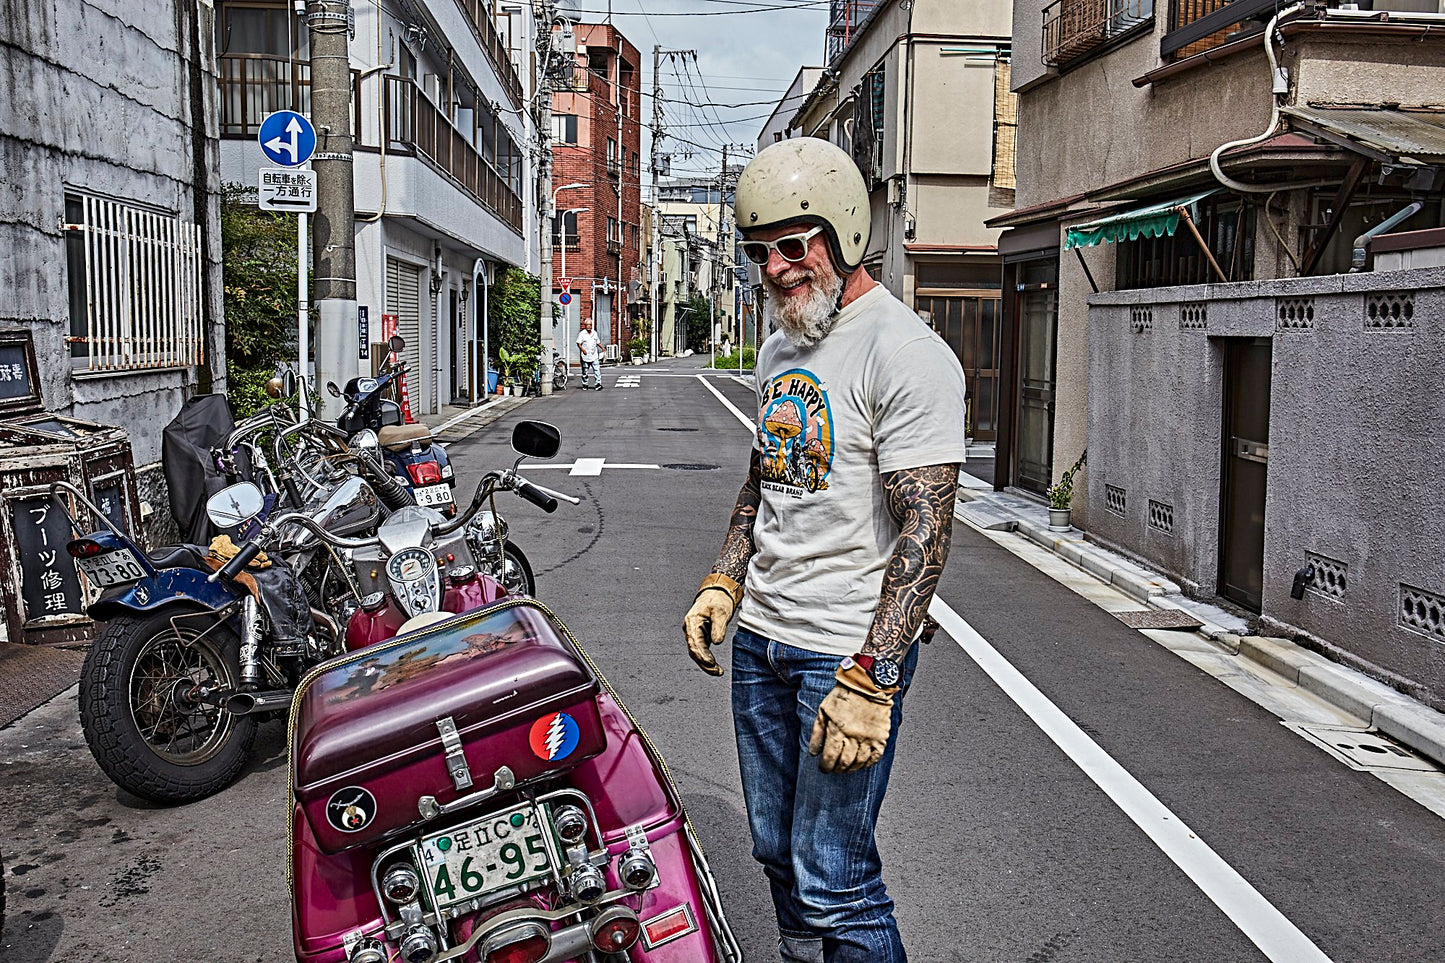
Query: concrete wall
[[97, 100], [1356, 449]]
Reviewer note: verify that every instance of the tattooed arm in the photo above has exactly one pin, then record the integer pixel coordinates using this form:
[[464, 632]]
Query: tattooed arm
[[921, 502], [738, 545]]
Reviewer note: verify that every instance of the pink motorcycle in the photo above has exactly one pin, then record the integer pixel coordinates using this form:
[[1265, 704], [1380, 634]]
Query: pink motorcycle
[[465, 785]]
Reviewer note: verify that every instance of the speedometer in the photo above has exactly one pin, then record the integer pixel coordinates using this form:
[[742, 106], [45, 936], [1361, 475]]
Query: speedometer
[[409, 564]]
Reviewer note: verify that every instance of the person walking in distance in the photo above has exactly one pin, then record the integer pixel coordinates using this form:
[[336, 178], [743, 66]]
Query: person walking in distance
[[835, 546], [590, 348]]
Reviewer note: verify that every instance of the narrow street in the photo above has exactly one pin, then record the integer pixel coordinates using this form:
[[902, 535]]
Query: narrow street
[[998, 846]]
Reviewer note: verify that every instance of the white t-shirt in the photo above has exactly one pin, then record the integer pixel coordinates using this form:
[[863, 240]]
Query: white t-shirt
[[881, 392], [587, 343]]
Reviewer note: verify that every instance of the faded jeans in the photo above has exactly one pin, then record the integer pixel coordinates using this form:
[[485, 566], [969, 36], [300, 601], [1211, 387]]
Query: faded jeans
[[595, 367], [812, 831]]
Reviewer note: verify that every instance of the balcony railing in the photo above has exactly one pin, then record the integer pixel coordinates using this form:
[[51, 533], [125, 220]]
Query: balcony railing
[[478, 14], [1199, 25], [1073, 28], [255, 85], [844, 19], [415, 125]]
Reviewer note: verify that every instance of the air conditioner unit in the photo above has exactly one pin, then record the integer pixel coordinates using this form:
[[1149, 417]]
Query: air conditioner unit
[[614, 352]]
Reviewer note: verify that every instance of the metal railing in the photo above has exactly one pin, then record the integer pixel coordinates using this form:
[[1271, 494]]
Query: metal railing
[[415, 125], [490, 41], [1199, 25], [1072, 28], [844, 19], [255, 85], [142, 288]]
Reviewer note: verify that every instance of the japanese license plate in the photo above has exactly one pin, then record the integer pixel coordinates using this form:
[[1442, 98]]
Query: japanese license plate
[[116, 567], [434, 495], [476, 858]]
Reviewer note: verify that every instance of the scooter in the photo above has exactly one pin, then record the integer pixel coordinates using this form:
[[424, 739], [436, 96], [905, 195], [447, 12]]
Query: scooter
[[472, 788]]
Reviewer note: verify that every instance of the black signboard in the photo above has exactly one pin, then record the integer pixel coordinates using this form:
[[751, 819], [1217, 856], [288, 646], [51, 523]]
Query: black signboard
[[110, 499], [19, 377], [48, 581]]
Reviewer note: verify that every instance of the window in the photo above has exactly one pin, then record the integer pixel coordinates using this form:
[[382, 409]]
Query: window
[[564, 231], [614, 231], [1158, 262], [135, 286], [263, 30], [868, 112], [564, 128]]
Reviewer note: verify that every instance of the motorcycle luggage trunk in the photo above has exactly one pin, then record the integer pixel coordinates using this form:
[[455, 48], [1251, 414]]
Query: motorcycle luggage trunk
[[365, 741]]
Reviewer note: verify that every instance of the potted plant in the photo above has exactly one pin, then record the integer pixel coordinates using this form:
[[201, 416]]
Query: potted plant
[[1061, 497], [637, 347]]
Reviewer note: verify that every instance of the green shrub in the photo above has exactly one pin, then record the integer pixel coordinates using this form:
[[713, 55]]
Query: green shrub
[[731, 360]]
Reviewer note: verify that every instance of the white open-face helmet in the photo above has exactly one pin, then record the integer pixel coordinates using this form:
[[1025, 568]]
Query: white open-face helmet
[[807, 180]]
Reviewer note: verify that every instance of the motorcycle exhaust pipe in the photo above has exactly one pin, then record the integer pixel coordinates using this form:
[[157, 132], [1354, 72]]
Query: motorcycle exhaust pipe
[[249, 703]]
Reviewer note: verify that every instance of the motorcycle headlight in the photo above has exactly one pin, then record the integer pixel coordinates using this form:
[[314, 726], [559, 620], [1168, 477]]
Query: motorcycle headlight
[[487, 526]]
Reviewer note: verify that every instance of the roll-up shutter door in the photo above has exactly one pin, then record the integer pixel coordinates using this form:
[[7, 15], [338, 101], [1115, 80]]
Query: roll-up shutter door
[[403, 299]]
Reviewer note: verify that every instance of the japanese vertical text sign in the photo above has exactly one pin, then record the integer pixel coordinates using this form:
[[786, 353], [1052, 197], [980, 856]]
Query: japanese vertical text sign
[[48, 583], [363, 331]]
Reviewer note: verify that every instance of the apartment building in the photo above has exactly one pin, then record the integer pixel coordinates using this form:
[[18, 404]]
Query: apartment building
[[696, 214], [444, 160], [596, 167], [918, 92], [1218, 281]]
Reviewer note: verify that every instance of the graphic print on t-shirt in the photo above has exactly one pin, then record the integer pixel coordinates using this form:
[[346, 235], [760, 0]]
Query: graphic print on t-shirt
[[795, 433]]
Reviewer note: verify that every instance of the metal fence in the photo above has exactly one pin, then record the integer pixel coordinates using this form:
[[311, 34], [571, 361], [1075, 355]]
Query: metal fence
[[142, 288], [1072, 28]]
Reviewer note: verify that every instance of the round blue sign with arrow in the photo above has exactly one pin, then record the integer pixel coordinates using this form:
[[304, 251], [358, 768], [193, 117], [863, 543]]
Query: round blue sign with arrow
[[287, 138]]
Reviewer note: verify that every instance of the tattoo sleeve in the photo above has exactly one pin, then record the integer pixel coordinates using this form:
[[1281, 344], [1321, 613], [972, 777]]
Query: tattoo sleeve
[[921, 502], [738, 546]]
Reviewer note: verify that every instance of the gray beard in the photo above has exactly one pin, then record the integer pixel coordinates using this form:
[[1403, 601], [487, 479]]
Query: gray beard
[[805, 321]]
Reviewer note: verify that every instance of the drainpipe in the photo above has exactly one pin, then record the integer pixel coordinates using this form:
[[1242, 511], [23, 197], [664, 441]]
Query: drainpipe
[[1357, 260]]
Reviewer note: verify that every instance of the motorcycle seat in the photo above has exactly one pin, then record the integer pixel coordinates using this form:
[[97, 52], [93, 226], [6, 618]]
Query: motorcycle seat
[[400, 437], [178, 556]]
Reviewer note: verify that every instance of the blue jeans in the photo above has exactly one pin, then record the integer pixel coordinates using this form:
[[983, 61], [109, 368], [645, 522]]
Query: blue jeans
[[812, 831], [595, 367]]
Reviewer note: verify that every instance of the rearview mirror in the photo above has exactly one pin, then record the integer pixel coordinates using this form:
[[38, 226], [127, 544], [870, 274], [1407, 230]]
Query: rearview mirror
[[536, 439], [335, 391], [234, 506], [288, 383], [397, 343]]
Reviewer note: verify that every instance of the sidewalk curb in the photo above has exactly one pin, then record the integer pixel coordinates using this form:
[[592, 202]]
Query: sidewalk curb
[[1409, 722]]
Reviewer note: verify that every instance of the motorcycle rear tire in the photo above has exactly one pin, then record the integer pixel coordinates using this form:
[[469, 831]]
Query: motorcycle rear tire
[[517, 577], [129, 681]]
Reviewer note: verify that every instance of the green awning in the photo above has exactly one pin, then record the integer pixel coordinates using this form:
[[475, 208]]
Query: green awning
[[1156, 220]]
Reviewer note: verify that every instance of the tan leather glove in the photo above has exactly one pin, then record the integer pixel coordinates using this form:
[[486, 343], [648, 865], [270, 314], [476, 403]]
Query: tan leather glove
[[853, 722], [706, 623], [222, 549]]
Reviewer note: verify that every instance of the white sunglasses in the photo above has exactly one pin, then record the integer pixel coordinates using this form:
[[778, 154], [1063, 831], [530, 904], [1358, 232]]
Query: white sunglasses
[[792, 247]]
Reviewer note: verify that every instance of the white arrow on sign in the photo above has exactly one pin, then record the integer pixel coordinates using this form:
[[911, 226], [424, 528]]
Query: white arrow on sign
[[293, 146]]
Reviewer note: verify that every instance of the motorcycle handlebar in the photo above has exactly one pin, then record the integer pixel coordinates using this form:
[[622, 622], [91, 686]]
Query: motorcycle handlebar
[[536, 496], [249, 550]]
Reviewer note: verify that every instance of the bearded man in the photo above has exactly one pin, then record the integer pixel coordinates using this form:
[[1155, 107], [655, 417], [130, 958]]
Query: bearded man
[[834, 550]]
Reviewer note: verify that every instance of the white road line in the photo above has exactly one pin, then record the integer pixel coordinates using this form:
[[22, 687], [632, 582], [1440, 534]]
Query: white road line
[[463, 417], [747, 422], [587, 466], [751, 386], [1257, 918]]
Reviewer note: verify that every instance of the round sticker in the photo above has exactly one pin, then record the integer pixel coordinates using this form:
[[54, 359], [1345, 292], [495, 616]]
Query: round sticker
[[351, 809], [555, 736]]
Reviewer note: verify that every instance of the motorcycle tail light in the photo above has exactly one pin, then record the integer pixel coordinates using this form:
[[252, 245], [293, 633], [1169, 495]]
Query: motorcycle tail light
[[83, 548], [570, 823], [666, 927], [615, 930], [528, 943], [401, 884], [424, 472]]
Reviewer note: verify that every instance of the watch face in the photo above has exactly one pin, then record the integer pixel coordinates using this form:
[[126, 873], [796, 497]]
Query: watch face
[[885, 672]]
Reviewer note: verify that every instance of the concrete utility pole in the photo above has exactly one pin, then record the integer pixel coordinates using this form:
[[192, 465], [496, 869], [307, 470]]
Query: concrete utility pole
[[545, 56], [333, 230], [722, 189], [657, 136]]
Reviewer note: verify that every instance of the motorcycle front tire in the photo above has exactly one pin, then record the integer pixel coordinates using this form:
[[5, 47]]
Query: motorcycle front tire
[[144, 736], [517, 577]]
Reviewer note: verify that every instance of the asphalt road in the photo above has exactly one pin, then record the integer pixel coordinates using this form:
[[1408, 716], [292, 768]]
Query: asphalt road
[[998, 846]]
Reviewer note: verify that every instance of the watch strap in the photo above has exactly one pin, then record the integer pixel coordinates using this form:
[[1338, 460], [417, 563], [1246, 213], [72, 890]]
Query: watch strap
[[853, 676]]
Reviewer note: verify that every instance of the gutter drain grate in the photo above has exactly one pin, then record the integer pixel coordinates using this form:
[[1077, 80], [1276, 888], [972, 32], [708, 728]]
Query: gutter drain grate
[[1158, 619], [1363, 749]]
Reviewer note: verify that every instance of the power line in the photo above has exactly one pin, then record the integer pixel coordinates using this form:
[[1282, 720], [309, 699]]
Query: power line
[[808, 6]]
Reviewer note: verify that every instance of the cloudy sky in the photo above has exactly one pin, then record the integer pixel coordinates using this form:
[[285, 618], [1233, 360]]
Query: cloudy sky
[[747, 51]]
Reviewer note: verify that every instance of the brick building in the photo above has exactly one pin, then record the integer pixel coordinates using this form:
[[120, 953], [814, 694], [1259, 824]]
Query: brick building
[[596, 143]]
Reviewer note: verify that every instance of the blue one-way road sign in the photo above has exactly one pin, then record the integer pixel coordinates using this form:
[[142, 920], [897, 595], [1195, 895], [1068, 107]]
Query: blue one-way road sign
[[287, 138]]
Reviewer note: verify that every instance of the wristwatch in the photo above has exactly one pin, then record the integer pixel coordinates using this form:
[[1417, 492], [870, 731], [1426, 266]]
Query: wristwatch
[[885, 673]]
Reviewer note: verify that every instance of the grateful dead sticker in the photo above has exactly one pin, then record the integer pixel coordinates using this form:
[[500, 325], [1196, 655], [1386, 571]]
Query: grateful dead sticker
[[795, 433], [555, 736], [351, 809]]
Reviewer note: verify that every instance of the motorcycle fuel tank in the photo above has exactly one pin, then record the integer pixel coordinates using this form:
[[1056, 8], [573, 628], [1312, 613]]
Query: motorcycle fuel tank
[[376, 730]]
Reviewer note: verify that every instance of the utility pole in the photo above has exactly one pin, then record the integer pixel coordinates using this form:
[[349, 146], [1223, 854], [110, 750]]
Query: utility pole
[[657, 136], [333, 230], [722, 189], [545, 51]]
